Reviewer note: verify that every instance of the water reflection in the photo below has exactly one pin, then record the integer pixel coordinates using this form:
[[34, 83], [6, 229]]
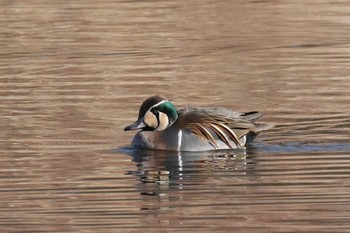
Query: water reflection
[[162, 172]]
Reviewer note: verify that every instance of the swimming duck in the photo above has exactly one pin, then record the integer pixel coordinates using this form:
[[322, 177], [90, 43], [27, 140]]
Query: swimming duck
[[163, 127]]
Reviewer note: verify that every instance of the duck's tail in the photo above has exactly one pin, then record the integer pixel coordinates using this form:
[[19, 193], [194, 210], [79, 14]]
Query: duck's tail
[[256, 131]]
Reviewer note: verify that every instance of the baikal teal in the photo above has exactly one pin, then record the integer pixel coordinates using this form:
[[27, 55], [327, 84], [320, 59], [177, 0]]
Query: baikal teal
[[163, 127]]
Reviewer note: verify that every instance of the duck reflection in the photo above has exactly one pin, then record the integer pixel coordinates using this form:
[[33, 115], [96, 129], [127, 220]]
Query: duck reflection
[[171, 170], [173, 179]]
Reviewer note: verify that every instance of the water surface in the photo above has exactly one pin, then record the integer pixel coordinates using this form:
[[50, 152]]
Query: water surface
[[73, 75]]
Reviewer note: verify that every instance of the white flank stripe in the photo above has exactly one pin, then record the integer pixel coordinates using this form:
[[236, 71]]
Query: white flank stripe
[[179, 158], [179, 137]]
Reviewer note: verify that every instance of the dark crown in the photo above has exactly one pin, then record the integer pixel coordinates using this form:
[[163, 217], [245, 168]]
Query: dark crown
[[148, 103]]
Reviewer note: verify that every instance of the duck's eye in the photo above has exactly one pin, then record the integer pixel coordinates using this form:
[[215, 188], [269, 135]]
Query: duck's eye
[[155, 112]]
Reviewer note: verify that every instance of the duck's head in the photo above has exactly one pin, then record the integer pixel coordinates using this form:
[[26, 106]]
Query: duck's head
[[155, 114]]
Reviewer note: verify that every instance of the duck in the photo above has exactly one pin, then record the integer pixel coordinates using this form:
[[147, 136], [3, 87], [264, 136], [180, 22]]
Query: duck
[[164, 127]]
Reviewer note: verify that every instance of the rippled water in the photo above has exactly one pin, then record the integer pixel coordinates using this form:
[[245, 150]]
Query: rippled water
[[73, 74]]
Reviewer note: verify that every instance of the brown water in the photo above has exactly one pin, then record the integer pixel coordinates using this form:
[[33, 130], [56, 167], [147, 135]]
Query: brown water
[[73, 74]]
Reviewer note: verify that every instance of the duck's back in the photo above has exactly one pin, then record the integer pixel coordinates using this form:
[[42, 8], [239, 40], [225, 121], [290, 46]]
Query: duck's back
[[216, 128]]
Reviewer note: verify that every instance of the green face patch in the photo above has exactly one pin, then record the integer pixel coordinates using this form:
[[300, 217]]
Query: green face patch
[[169, 109]]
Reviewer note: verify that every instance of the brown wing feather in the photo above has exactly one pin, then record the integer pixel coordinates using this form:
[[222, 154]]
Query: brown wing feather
[[200, 130], [220, 133], [209, 126]]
